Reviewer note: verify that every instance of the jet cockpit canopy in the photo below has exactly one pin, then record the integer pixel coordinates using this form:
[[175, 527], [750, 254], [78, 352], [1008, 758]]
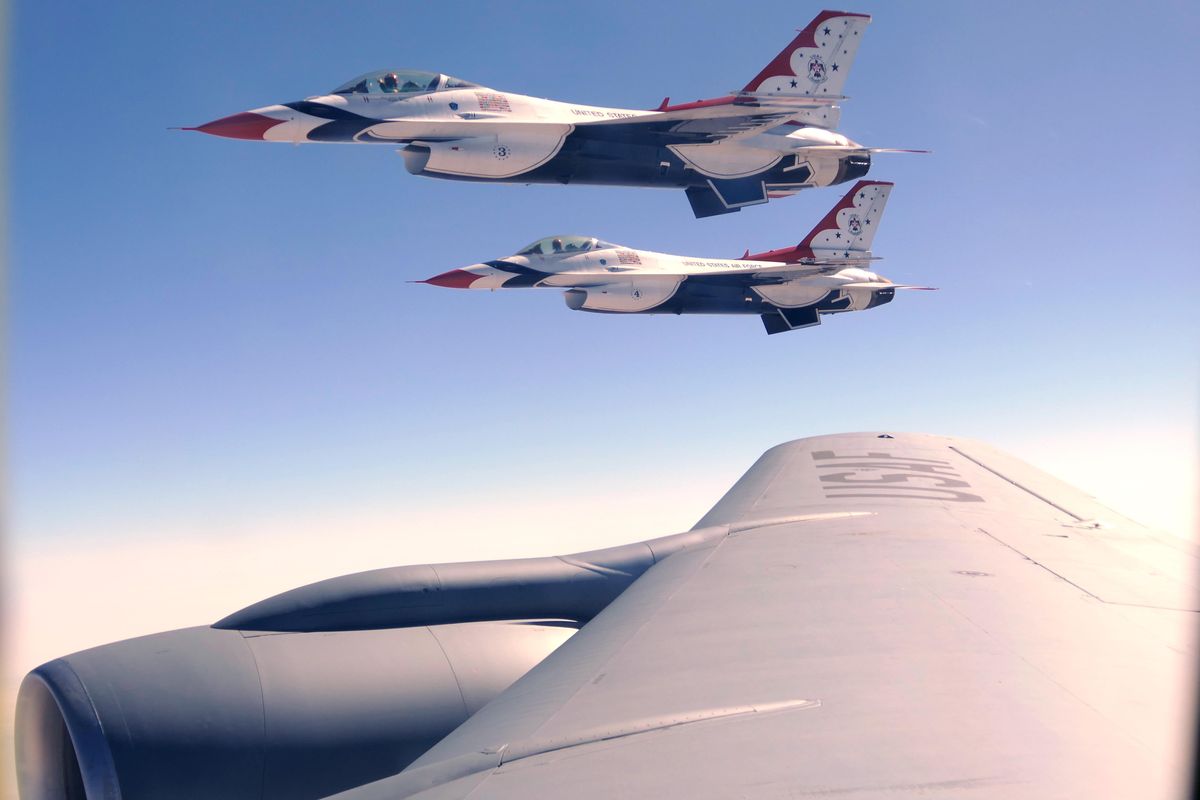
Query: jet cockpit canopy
[[554, 245], [400, 81]]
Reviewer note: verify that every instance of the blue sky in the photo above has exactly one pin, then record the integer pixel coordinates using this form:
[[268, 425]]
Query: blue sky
[[206, 333]]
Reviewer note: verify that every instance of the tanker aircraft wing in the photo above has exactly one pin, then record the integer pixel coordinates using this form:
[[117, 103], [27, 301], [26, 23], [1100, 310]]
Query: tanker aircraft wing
[[861, 616]]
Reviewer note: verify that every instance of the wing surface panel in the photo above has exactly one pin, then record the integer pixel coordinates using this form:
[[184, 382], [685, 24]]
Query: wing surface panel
[[861, 620], [749, 276]]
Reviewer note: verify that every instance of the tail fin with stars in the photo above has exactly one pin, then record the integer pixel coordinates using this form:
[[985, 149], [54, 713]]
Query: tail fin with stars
[[817, 61]]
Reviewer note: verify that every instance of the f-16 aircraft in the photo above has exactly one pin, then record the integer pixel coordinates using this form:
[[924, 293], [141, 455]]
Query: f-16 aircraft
[[789, 288], [867, 615], [769, 139]]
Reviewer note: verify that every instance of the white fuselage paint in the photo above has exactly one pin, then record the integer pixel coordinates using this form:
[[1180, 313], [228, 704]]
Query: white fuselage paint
[[626, 280], [501, 135]]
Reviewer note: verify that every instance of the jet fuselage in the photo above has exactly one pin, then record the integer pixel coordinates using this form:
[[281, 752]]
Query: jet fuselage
[[662, 283], [770, 139], [480, 134]]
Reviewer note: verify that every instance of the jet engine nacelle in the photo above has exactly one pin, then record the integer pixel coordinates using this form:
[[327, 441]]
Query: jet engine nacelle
[[622, 296], [312, 691], [231, 714]]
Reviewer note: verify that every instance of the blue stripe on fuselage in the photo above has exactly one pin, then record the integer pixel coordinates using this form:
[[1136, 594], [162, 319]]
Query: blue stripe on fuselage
[[524, 276]]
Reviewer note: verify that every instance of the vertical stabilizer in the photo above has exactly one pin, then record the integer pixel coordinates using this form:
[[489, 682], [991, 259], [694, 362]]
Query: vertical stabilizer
[[817, 61], [851, 224]]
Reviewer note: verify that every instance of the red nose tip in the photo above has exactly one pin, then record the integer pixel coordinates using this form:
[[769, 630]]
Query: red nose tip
[[239, 126], [454, 279]]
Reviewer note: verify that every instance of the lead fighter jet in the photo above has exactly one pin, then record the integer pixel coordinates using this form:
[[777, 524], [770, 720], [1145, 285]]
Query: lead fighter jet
[[789, 288], [772, 138]]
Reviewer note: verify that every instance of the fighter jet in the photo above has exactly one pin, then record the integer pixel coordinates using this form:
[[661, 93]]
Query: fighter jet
[[769, 139], [790, 288]]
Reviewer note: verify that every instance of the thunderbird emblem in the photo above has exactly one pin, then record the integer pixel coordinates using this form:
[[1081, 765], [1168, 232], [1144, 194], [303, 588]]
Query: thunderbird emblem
[[816, 70], [854, 225]]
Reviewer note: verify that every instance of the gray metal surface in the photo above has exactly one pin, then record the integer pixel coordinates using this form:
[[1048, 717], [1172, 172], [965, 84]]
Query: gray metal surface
[[574, 587], [202, 713], [866, 617]]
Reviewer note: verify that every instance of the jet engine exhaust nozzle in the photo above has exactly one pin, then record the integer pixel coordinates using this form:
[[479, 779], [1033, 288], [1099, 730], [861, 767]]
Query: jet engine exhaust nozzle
[[854, 166]]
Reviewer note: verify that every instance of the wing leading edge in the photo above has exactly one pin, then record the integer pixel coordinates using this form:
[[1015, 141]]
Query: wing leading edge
[[861, 615]]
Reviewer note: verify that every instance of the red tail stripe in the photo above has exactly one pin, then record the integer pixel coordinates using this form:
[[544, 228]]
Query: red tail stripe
[[790, 255], [830, 220]]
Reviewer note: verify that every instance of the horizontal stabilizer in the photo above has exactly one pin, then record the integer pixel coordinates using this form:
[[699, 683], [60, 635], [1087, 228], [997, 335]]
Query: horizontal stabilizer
[[839, 150], [770, 100], [878, 285]]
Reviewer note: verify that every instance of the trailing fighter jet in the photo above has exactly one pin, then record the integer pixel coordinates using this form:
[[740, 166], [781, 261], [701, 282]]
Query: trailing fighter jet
[[789, 288], [770, 139]]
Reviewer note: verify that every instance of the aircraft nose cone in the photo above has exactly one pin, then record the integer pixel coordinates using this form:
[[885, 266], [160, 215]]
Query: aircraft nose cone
[[454, 279], [246, 125]]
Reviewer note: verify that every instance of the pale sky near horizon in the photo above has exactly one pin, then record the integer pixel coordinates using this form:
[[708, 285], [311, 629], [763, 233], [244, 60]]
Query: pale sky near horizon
[[221, 385]]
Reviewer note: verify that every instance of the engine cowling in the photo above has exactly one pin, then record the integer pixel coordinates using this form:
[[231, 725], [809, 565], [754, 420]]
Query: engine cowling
[[312, 691], [211, 713]]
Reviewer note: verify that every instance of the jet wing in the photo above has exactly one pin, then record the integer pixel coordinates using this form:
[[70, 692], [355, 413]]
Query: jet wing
[[708, 121], [864, 616], [759, 275]]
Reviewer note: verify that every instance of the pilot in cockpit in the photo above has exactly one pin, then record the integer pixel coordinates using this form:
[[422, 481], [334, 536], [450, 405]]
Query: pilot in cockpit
[[557, 245], [390, 82]]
